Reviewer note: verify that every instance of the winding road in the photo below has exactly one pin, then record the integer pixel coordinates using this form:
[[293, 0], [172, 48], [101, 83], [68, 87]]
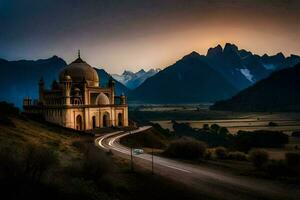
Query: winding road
[[215, 183]]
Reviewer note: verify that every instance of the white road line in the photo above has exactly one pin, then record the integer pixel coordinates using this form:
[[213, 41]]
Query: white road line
[[106, 136], [125, 151], [177, 168]]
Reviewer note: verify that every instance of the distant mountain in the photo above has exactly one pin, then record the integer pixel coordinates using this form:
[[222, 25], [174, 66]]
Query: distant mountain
[[243, 68], [133, 80], [238, 70], [19, 79], [104, 77], [278, 92], [189, 80]]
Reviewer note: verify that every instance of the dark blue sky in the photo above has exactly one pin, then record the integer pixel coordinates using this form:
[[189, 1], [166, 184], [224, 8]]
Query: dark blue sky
[[120, 34]]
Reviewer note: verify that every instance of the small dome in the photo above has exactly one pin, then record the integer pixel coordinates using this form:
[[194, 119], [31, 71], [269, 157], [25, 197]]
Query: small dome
[[102, 99], [80, 71], [76, 89], [67, 77]]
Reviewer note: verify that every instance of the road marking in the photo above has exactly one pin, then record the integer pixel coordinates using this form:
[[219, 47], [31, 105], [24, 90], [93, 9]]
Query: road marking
[[113, 140], [177, 168], [106, 136]]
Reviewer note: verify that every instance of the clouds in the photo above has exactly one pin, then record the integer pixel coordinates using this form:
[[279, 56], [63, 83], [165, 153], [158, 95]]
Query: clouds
[[143, 33]]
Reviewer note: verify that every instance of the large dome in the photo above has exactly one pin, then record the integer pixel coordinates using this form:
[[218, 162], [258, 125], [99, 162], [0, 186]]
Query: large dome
[[79, 71]]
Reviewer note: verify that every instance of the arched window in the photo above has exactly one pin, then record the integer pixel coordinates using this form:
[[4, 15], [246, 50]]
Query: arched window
[[94, 122], [120, 119], [79, 122], [105, 120]]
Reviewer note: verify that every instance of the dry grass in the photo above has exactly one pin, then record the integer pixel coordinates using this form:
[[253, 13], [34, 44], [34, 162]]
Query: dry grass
[[29, 131]]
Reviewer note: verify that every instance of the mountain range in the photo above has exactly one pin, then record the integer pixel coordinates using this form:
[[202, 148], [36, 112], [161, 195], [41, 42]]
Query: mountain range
[[278, 92], [189, 80], [20, 78], [218, 75], [132, 80]]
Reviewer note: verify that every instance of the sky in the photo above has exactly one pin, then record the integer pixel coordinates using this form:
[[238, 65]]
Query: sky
[[134, 34]]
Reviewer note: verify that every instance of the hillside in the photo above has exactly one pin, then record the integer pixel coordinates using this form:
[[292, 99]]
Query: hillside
[[44, 161], [278, 92], [189, 80]]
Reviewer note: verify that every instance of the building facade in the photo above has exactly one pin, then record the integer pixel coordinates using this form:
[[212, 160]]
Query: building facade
[[78, 101]]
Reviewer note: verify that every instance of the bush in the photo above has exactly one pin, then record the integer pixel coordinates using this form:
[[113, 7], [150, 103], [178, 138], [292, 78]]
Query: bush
[[277, 168], [272, 124], [296, 134], [221, 152], [205, 127], [38, 160], [245, 140], [237, 155], [11, 165], [207, 154], [258, 157], [186, 148], [95, 164], [215, 128], [31, 162], [292, 159]]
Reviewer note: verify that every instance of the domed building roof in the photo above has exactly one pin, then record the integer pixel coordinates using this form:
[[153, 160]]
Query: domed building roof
[[102, 99], [80, 71]]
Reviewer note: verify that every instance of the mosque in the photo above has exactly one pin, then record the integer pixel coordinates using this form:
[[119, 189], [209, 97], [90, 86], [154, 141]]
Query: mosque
[[78, 101]]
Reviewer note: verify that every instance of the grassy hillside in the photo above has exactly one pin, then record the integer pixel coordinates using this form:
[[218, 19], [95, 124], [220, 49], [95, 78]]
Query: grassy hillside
[[26, 131], [39, 160]]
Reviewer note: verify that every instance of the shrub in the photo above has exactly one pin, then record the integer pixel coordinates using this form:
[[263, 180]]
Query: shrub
[[292, 159], [223, 131], [186, 148], [215, 128], [237, 155], [245, 140], [8, 109], [80, 145], [205, 127], [207, 155], [11, 165], [221, 152], [258, 157], [30, 162], [38, 160], [296, 134], [272, 124], [95, 164], [277, 168]]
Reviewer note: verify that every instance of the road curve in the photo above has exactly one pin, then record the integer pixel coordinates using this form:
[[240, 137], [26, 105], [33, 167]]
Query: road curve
[[215, 183]]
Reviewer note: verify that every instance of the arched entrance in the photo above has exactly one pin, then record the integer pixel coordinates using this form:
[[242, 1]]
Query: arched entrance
[[120, 119], [105, 120], [79, 122], [94, 122]]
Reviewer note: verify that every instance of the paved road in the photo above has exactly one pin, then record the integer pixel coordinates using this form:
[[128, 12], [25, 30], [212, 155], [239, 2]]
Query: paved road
[[215, 183]]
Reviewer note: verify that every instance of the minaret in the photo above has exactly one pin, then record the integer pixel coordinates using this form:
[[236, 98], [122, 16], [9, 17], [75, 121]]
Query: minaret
[[123, 99], [111, 85], [41, 90], [67, 89]]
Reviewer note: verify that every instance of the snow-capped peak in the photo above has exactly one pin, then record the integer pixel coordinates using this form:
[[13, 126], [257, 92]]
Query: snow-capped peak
[[133, 80]]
